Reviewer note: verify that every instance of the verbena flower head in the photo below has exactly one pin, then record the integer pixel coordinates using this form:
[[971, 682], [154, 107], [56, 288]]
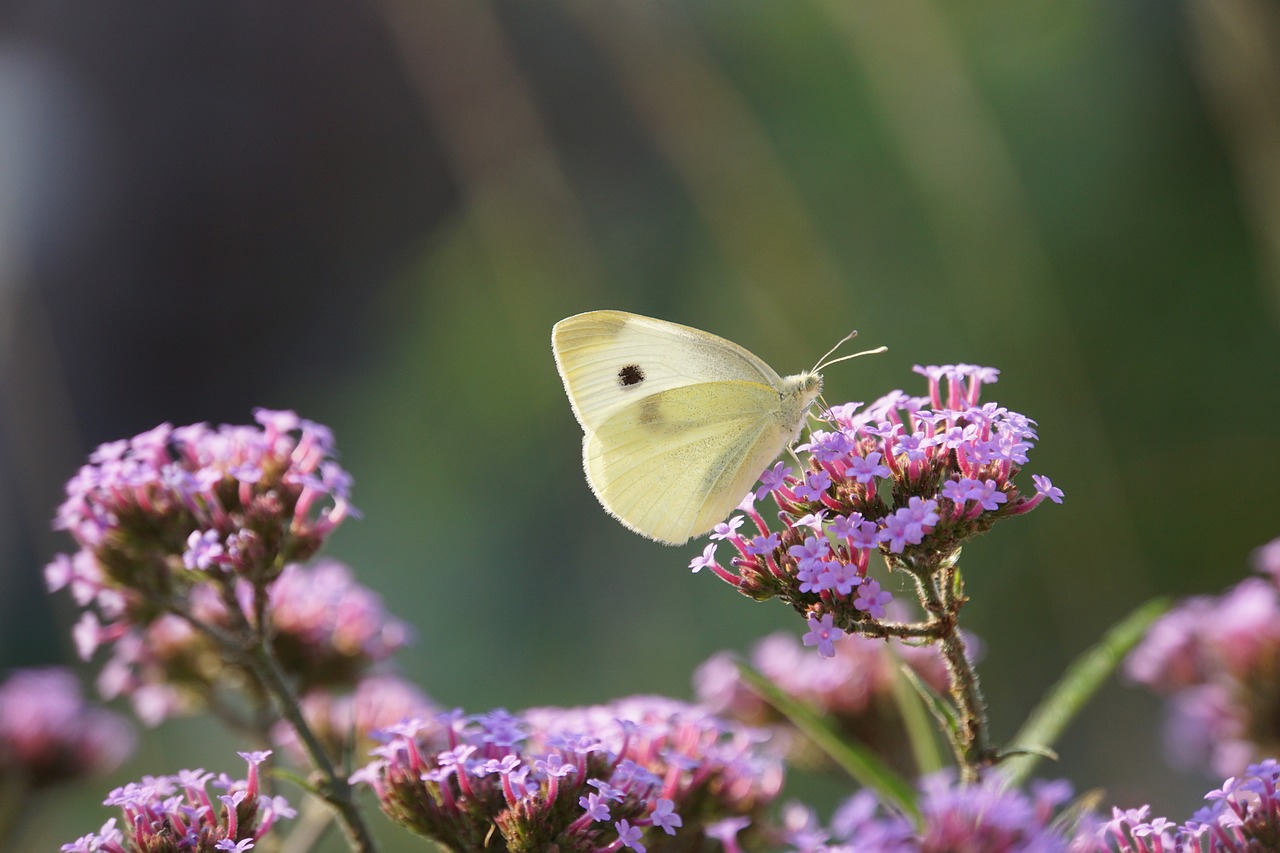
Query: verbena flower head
[[955, 818], [173, 507], [1243, 816], [1218, 659], [325, 630], [640, 773], [171, 814], [854, 688], [909, 477], [377, 702], [48, 734]]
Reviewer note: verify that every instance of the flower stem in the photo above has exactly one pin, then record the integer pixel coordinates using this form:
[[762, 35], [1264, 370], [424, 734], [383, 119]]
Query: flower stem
[[335, 789], [937, 587], [255, 656]]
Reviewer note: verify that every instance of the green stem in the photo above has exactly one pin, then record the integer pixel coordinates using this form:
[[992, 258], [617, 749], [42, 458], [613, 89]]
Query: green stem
[[936, 587], [253, 653], [335, 789]]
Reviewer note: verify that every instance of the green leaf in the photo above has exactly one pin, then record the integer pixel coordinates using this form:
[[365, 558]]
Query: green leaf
[[1081, 680], [297, 779], [913, 697], [854, 758]]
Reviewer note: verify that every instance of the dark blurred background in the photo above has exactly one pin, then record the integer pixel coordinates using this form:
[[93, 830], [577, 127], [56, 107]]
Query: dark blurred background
[[373, 212]]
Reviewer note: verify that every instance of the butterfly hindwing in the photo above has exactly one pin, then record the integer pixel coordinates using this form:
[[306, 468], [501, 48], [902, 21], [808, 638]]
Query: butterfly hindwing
[[677, 462]]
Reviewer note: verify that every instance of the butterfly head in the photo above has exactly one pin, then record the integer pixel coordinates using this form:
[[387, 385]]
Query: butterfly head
[[798, 394]]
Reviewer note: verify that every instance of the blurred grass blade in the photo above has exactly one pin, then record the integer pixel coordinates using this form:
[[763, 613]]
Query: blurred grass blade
[[913, 697], [854, 758], [1078, 684]]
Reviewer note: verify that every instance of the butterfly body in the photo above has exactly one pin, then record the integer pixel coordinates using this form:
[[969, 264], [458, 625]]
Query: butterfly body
[[678, 423]]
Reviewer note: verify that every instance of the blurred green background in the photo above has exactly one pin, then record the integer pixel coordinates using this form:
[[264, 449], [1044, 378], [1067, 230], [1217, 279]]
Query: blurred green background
[[374, 212]]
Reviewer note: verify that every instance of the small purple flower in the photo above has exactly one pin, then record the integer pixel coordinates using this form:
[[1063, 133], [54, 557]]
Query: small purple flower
[[846, 526], [813, 521], [726, 831], [762, 545], [665, 817], [959, 491], [706, 560], [822, 634], [865, 536], [872, 600], [814, 486], [774, 478], [867, 469], [204, 550], [1046, 488], [554, 766], [812, 550], [629, 836], [839, 576], [911, 446], [595, 806], [987, 493], [725, 529]]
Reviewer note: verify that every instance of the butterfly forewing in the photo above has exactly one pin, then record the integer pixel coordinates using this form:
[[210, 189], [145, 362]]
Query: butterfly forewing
[[609, 360]]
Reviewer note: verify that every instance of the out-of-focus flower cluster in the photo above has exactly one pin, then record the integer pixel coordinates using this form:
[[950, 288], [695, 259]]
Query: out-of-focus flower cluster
[[186, 540], [640, 773], [171, 814], [909, 477], [48, 734], [1243, 816], [1218, 661], [855, 688], [983, 818], [326, 630], [166, 509]]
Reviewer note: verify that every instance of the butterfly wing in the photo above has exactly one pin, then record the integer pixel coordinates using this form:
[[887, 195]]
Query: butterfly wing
[[611, 359], [673, 464]]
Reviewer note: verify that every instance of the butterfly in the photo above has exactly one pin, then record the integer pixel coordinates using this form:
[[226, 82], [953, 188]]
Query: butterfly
[[679, 423]]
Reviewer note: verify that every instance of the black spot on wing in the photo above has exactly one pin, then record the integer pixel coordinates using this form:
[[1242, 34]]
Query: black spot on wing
[[630, 375]]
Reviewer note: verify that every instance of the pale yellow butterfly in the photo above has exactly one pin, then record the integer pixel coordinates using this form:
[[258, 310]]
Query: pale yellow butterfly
[[679, 423]]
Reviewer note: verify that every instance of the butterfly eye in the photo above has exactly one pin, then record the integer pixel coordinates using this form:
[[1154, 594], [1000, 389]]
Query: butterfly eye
[[630, 375]]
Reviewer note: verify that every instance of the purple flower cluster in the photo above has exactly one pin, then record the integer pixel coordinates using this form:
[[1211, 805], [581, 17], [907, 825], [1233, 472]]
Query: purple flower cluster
[[640, 773], [1243, 816], [48, 734], [981, 818], [1217, 659], [173, 506], [328, 629], [325, 630], [169, 814], [854, 688], [909, 477]]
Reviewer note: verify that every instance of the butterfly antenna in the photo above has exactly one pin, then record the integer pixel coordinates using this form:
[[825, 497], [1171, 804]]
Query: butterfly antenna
[[839, 344], [822, 362]]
